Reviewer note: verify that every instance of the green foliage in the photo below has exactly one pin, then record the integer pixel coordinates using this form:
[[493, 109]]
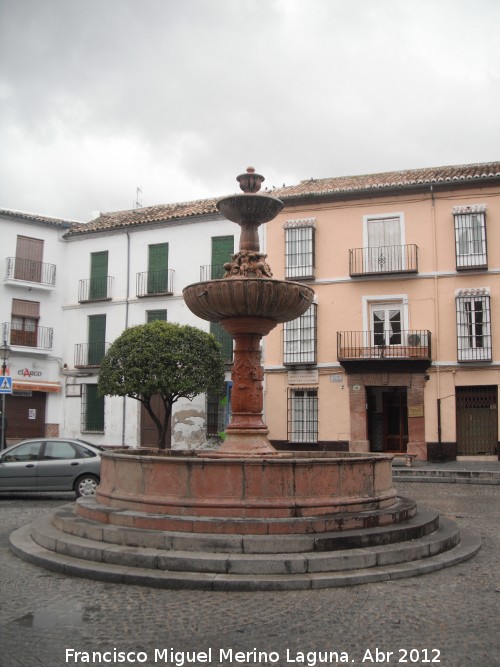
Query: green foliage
[[162, 358]]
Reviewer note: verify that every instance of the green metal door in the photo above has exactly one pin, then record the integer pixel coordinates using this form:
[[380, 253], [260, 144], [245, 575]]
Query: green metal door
[[477, 420], [222, 249], [98, 275], [97, 337], [158, 268], [94, 410]]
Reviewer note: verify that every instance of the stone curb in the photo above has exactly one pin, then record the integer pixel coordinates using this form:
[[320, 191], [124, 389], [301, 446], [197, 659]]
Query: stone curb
[[403, 474]]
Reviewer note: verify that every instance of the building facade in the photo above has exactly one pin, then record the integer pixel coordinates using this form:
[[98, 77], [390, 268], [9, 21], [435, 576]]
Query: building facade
[[401, 351], [63, 307]]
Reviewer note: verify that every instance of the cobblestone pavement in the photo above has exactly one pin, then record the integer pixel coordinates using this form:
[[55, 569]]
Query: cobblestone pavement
[[450, 618]]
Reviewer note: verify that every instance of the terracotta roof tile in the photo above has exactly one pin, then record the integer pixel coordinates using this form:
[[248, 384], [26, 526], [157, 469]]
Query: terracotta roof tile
[[146, 215], [58, 222], [389, 180], [366, 183]]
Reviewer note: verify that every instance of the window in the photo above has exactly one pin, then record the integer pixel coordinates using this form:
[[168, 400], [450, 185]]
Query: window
[[299, 248], [24, 322], [97, 337], [473, 324], [303, 414], [225, 341], [92, 410], [299, 339], [470, 236], [152, 315], [384, 251], [158, 269], [98, 276], [386, 323], [222, 249], [29, 255], [218, 411]]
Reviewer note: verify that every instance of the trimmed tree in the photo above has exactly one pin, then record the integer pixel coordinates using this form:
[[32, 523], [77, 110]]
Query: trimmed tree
[[162, 359]]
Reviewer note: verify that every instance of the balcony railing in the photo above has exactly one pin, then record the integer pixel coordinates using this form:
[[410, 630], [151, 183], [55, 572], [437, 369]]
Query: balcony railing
[[383, 259], [90, 355], [211, 272], [30, 271], [155, 283], [28, 336], [95, 289], [364, 345]]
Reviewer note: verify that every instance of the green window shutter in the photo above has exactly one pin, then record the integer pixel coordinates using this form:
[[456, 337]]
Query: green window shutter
[[152, 315], [94, 410], [97, 338], [98, 275], [225, 340], [158, 268], [222, 249]]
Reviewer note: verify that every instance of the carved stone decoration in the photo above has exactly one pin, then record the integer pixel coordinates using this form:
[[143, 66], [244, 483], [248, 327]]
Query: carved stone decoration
[[248, 264]]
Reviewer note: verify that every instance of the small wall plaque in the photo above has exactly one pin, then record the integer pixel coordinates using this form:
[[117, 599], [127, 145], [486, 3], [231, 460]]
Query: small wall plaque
[[415, 411], [73, 390], [303, 377]]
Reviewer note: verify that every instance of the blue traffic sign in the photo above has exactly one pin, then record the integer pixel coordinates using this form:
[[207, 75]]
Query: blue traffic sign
[[5, 384]]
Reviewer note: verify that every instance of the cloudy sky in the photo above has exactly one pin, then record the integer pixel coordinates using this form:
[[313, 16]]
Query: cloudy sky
[[177, 97]]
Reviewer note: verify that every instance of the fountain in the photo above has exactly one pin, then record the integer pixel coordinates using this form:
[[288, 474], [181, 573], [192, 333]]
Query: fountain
[[245, 516]]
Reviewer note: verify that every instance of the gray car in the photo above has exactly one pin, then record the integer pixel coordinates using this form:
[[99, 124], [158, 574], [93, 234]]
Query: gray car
[[51, 464]]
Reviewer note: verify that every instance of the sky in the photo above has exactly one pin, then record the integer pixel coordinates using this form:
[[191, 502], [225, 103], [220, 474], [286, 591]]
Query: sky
[[177, 97]]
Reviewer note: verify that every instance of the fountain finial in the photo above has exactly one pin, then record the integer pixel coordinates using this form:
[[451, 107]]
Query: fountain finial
[[250, 181]]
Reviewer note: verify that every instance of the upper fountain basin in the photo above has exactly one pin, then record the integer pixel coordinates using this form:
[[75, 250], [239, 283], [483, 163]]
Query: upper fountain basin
[[277, 300], [249, 208]]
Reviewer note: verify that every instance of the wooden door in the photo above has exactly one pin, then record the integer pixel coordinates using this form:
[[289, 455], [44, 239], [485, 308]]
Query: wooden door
[[395, 417]]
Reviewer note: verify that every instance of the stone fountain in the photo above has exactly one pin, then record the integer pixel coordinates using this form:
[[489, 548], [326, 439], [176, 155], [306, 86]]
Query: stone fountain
[[245, 517], [248, 304]]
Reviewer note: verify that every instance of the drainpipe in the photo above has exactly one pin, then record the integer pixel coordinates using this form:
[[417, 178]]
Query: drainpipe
[[439, 423], [436, 346], [124, 404]]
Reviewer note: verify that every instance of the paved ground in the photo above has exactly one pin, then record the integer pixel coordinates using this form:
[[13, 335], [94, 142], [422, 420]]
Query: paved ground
[[450, 618]]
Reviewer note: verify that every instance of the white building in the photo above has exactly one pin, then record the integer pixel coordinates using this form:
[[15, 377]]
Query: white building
[[69, 291]]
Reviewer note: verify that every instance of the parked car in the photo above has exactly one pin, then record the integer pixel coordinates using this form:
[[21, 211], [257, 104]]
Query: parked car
[[51, 464]]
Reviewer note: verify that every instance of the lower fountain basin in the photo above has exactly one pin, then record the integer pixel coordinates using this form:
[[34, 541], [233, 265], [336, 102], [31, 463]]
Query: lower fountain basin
[[296, 492], [276, 300]]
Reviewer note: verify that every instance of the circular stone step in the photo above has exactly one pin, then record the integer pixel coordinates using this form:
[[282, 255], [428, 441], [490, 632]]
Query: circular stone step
[[46, 544]]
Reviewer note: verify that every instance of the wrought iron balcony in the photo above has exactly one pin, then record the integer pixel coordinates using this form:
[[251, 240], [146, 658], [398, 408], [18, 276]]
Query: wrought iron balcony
[[28, 335], [361, 347], [211, 272], [90, 355], [383, 260], [30, 271], [95, 289], [155, 283]]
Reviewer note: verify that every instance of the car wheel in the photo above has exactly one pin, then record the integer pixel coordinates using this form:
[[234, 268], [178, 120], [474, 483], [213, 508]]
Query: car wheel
[[86, 485]]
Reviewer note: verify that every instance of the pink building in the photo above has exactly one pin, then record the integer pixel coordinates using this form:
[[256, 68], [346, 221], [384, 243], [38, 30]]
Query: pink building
[[401, 351]]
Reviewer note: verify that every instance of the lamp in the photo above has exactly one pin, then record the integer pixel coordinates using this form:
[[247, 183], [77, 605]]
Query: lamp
[[5, 351]]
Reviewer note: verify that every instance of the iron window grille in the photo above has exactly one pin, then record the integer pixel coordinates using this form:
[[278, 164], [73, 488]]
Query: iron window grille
[[470, 238], [218, 410], [303, 414], [300, 339], [153, 315], [473, 325], [299, 252], [92, 416]]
